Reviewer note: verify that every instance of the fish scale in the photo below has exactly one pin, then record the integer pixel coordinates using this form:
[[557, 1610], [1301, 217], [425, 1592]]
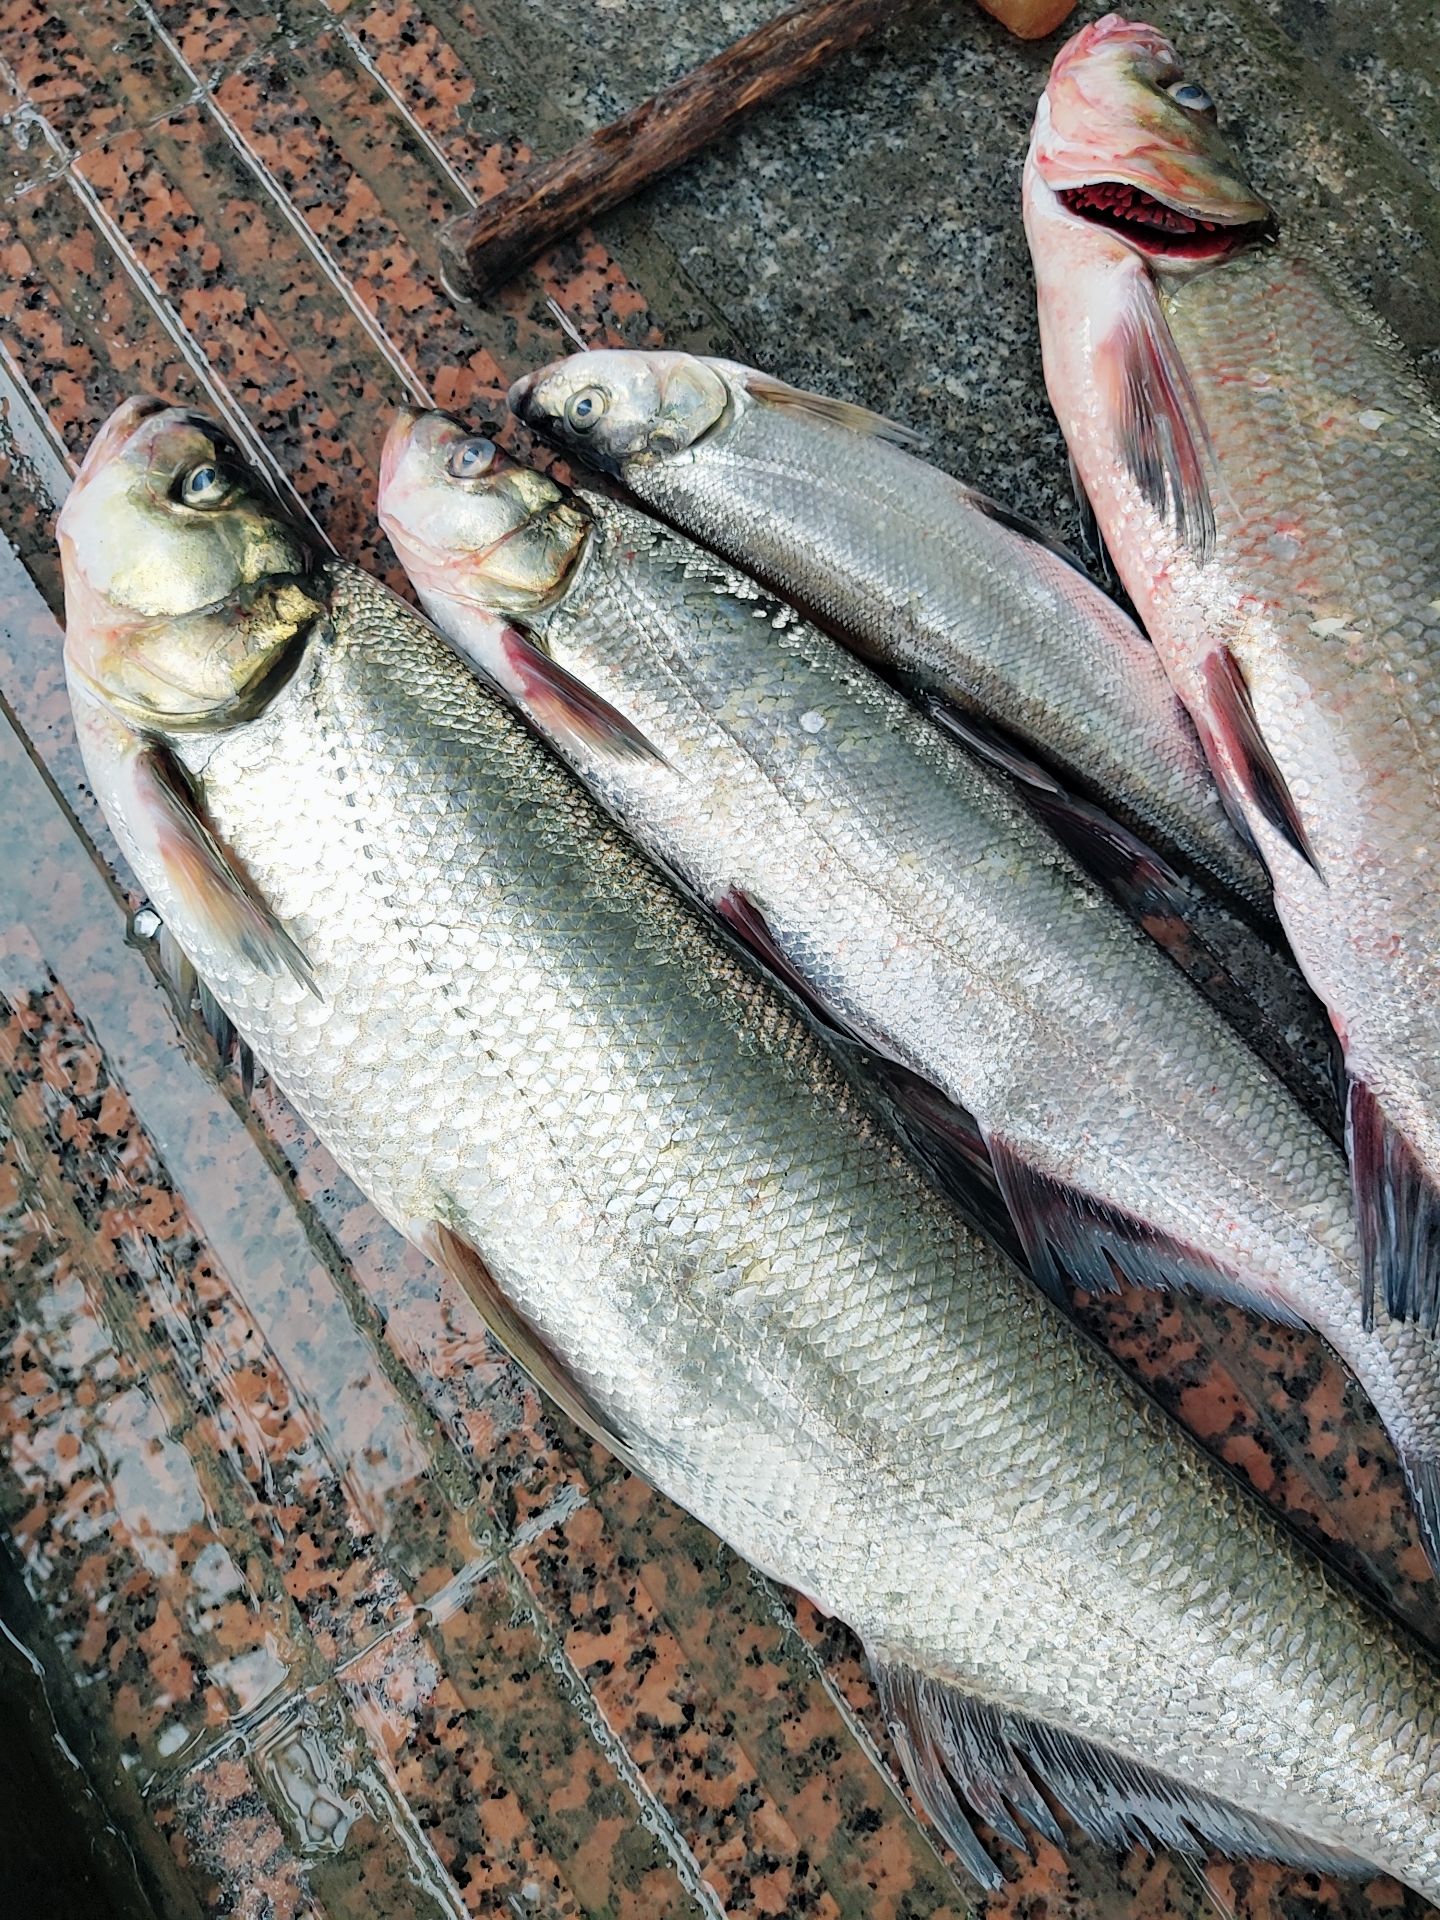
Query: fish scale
[[516, 1028]]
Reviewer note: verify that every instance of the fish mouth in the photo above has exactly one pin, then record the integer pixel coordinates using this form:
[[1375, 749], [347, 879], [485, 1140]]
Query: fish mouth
[[518, 398], [1158, 227]]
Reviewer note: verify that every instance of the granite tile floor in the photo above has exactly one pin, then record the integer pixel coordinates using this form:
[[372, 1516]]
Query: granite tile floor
[[336, 1616]]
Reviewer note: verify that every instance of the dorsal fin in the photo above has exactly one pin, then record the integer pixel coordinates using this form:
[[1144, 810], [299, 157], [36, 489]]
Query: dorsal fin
[[1027, 528], [966, 1757], [835, 413]]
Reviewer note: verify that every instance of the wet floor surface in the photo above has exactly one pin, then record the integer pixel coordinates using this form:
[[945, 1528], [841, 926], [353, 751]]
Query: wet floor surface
[[336, 1616]]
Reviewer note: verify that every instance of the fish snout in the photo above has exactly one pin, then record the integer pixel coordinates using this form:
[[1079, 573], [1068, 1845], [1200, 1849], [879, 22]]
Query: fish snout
[[519, 396], [397, 443]]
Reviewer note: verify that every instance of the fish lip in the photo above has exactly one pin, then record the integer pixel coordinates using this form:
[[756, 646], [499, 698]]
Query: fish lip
[[519, 395], [1218, 236]]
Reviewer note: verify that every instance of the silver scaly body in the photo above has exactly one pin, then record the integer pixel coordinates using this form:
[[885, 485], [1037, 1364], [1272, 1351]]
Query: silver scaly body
[[915, 569], [518, 1030], [936, 921]]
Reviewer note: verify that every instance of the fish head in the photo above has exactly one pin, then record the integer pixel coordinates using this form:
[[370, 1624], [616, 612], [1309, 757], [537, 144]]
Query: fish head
[[186, 582], [469, 524], [611, 406], [1126, 145]]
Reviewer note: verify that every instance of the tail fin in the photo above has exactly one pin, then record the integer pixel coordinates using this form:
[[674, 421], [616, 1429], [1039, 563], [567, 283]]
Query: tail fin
[[1422, 1476], [1398, 1204], [965, 1757]]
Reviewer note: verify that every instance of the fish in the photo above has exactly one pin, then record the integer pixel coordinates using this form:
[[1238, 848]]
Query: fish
[[970, 604], [1265, 468], [549, 1070], [899, 887]]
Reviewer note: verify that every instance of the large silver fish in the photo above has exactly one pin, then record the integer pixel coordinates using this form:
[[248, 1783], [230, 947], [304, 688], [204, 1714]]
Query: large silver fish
[[824, 502], [541, 1065], [902, 889], [1266, 470]]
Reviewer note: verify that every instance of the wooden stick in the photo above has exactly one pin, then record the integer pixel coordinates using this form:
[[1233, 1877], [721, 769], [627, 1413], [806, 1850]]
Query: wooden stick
[[486, 248]]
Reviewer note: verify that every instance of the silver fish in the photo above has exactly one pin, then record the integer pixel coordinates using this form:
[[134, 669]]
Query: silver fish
[[827, 503], [1266, 470], [542, 1065], [900, 887]]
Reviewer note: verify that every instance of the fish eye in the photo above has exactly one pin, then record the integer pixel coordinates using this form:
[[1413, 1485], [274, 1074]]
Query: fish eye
[[1191, 95], [471, 458], [202, 485], [583, 409]]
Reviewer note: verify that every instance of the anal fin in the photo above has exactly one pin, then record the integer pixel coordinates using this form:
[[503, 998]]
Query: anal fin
[[966, 1758], [1232, 717], [1073, 1237], [519, 1337], [1398, 1207]]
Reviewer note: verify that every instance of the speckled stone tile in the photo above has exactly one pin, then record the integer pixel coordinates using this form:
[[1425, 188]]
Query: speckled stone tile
[[380, 1633], [91, 67]]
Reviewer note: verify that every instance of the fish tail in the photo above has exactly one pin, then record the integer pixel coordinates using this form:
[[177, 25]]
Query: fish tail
[[969, 1759], [1422, 1475], [1398, 1205]]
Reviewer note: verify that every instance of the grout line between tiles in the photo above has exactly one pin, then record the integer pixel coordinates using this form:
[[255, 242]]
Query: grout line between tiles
[[654, 1815], [215, 391], [432, 148], [308, 239]]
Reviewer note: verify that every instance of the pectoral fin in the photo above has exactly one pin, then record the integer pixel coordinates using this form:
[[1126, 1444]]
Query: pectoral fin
[[566, 708], [519, 1337], [167, 814], [1158, 420], [1028, 529], [967, 1758]]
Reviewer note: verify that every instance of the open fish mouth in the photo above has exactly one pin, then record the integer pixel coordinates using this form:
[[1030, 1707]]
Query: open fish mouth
[[1156, 226]]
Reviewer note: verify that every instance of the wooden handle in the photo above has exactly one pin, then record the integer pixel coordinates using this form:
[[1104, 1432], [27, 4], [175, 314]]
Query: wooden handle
[[486, 248]]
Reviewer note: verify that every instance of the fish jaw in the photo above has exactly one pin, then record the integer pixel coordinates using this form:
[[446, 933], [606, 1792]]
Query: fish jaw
[[1121, 154], [1083, 277]]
